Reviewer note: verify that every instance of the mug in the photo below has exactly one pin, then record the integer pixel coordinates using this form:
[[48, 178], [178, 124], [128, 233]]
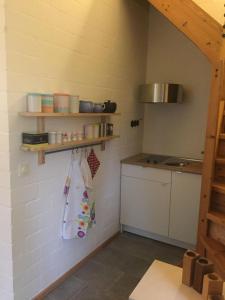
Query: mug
[[99, 107]]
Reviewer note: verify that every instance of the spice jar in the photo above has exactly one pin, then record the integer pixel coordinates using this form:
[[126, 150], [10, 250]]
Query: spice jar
[[59, 137]]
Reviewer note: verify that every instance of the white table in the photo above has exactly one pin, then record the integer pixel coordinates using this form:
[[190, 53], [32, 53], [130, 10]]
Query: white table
[[163, 282]]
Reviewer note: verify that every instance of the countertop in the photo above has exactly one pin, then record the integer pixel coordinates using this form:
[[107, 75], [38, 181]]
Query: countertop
[[164, 281], [194, 166]]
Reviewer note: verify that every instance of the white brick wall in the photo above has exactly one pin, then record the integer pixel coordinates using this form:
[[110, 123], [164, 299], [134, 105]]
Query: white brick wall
[[93, 48], [6, 279]]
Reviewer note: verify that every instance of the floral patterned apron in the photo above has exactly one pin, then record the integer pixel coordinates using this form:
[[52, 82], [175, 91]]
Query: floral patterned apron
[[79, 213]]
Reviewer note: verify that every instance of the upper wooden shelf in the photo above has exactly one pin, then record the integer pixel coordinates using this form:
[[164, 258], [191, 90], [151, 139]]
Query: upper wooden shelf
[[67, 115]]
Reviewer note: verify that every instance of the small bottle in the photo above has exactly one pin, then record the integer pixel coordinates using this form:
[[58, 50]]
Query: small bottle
[[59, 137], [69, 136], [74, 136], [65, 137]]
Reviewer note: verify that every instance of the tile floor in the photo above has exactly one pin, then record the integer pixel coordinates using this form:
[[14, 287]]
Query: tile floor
[[114, 272]]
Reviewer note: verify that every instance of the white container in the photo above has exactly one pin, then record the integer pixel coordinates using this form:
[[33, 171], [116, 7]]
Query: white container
[[74, 136], [34, 102], [96, 128], [59, 137], [80, 136], [52, 137], [74, 104], [61, 103], [89, 131]]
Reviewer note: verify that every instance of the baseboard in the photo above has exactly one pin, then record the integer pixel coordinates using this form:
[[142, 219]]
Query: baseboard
[[157, 237], [61, 279]]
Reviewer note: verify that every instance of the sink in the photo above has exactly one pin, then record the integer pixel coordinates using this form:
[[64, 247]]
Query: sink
[[155, 159], [166, 160], [176, 162]]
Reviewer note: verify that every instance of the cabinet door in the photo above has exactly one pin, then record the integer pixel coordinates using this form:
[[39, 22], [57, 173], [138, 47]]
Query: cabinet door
[[184, 210], [145, 204]]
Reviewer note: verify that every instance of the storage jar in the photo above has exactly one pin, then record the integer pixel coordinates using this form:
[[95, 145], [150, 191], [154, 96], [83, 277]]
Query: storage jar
[[47, 103], [61, 103], [34, 102], [52, 137], [88, 131], [74, 104], [96, 128]]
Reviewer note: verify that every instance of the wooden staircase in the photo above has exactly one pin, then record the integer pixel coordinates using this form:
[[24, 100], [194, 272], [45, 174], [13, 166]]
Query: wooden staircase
[[209, 36], [212, 210]]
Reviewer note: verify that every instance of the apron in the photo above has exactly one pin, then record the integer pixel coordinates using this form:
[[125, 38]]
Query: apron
[[79, 213]]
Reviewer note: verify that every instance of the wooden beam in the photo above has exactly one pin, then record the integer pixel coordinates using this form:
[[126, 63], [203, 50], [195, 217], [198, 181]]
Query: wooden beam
[[195, 23]]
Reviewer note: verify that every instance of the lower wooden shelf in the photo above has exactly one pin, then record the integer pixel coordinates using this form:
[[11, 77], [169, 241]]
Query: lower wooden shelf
[[47, 148]]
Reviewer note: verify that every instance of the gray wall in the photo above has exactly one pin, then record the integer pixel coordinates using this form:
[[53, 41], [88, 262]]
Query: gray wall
[[176, 129]]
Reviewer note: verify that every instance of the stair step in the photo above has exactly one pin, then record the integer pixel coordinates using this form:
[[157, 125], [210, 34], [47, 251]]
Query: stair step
[[212, 246], [220, 160], [216, 217], [218, 187]]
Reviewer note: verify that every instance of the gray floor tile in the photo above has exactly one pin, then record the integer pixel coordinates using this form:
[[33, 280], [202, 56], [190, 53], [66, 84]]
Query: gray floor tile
[[71, 287], [126, 263], [98, 275], [114, 272]]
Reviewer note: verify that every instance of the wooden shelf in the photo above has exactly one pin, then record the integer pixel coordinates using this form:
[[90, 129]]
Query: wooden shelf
[[218, 187], [212, 246], [216, 217], [46, 148], [67, 115], [69, 145]]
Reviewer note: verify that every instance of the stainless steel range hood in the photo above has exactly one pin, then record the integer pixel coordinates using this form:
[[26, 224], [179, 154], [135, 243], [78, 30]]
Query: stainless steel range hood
[[161, 93]]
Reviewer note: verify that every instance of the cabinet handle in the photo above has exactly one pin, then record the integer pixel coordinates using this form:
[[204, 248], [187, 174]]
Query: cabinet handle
[[179, 172], [164, 184]]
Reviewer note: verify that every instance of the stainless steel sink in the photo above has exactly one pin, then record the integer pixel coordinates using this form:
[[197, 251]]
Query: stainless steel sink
[[176, 162], [155, 159], [166, 160]]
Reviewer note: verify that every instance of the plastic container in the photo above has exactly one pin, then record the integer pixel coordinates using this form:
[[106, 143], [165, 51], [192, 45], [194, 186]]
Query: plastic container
[[34, 102], [74, 104], [89, 131], [61, 103], [52, 137], [47, 103]]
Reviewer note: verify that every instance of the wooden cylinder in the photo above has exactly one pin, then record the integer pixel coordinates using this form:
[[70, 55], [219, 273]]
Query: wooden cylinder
[[189, 260], [202, 266], [212, 285]]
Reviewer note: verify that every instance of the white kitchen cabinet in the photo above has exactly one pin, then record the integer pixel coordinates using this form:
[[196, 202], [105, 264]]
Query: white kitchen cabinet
[[184, 208], [145, 204]]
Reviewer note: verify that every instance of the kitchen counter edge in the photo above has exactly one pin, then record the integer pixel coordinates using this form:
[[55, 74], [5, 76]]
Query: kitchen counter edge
[[194, 167]]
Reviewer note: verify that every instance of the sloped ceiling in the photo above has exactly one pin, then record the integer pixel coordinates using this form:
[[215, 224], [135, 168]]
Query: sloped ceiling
[[215, 8]]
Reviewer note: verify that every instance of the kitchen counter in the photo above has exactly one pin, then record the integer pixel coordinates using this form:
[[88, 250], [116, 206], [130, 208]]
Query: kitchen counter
[[193, 166]]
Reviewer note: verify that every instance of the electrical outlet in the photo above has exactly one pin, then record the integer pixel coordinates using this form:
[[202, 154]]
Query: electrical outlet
[[23, 169]]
